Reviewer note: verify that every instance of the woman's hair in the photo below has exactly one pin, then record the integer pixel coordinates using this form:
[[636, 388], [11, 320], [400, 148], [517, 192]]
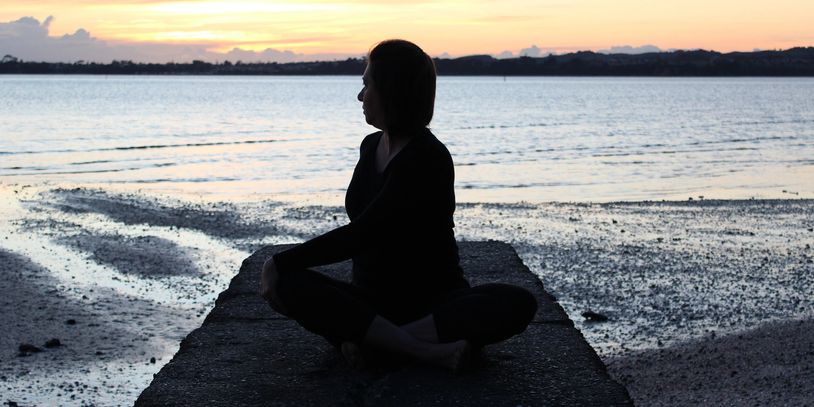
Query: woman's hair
[[404, 77]]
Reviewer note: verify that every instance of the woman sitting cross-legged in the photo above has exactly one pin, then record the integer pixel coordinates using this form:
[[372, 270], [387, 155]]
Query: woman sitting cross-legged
[[408, 294]]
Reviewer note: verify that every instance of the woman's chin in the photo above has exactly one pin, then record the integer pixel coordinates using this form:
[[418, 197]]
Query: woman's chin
[[372, 123]]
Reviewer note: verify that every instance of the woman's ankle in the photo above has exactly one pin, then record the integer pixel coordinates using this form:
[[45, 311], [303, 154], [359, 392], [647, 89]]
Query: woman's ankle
[[353, 355], [446, 355]]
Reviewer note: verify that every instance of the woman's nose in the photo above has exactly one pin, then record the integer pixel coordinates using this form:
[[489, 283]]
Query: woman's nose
[[361, 95]]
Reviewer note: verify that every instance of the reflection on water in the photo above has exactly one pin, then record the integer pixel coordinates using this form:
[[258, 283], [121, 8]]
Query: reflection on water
[[531, 139]]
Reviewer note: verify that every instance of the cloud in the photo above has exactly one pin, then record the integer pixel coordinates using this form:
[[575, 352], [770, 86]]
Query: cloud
[[627, 49], [273, 55], [29, 40], [26, 27], [532, 51], [237, 54], [535, 52]]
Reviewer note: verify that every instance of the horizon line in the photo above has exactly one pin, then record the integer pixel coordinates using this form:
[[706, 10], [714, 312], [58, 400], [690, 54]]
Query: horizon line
[[9, 58]]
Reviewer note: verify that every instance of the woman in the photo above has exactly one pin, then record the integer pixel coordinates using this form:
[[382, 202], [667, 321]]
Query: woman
[[408, 294]]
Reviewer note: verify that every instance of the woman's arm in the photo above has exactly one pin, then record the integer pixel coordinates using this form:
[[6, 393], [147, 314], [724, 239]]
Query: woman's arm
[[345, 241], [416, 192]]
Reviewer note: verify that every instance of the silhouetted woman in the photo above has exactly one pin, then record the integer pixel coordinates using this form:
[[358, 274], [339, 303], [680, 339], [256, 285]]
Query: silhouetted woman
[[408, 294]]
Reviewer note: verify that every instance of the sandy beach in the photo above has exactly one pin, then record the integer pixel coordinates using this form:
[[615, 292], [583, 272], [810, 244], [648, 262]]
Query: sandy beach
[[709, 302]]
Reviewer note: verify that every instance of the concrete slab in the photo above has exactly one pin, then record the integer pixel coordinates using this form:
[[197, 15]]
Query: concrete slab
[[246, 354]]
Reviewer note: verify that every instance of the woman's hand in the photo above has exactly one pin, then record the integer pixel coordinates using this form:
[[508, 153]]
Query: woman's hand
[[268, 286]]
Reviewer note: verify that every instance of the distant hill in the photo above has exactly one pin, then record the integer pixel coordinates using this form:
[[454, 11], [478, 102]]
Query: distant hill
[[792, 62]]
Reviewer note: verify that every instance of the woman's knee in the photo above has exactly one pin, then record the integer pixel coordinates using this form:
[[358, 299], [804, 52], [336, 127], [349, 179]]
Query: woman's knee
[[269, 266], [282, 280], [522, 305], [527, 303], [268, 281]]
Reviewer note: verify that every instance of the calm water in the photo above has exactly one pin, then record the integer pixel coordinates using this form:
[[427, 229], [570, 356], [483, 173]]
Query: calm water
[[532, 139]]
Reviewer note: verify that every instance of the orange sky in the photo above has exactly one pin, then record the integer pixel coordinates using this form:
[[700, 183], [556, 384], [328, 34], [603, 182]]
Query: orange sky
[[456, 26]]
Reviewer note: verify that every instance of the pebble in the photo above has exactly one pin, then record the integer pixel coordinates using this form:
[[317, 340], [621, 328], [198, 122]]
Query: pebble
[[594, 316], [53, 343], [27, 349]]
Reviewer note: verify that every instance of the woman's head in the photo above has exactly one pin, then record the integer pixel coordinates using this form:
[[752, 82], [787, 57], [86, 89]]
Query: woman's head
[[399, 93]]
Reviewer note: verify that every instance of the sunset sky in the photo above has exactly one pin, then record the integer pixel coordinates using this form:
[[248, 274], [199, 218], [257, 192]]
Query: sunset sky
[[159, 30]]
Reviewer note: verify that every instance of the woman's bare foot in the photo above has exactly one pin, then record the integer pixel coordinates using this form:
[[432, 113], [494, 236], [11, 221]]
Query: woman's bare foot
[[384, 335], [453, 356]]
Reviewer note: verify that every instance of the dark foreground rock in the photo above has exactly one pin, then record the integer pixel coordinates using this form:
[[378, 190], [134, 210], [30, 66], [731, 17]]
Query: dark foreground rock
[[246, 354]]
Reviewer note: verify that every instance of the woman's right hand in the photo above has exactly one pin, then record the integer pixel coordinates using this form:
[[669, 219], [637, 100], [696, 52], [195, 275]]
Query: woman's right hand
[[268, 286]]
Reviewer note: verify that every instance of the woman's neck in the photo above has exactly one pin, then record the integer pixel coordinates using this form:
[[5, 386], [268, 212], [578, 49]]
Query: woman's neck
[[389, 145], [393, 142]]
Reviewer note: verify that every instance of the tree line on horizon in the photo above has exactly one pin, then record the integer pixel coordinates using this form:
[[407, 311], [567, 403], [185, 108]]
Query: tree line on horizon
[[791, 62]]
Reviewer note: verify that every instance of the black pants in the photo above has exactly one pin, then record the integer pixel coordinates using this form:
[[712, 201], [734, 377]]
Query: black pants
[[340, 311]]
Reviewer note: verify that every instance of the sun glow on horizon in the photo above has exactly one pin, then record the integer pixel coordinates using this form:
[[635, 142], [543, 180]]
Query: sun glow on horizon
[[457, 27]]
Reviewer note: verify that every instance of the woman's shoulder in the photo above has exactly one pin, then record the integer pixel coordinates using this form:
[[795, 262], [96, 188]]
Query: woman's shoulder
[[430, 145], [370, 141]]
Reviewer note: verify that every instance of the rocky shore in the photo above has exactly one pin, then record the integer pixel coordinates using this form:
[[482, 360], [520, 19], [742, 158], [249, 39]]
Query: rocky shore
[[695, 288]]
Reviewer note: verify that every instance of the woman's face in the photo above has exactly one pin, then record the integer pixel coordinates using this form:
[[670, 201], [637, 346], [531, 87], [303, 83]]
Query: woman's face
[[371, 105]]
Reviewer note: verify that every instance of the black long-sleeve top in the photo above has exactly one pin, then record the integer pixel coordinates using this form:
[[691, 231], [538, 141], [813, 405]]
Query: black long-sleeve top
[[400, 233]]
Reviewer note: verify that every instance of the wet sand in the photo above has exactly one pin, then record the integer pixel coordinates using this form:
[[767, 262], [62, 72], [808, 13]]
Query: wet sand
[[106, 340], [137, 272], [772, 365], [118, 297]]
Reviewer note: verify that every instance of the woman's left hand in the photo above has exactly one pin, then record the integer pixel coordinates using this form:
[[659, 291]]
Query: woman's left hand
[[268, 286]]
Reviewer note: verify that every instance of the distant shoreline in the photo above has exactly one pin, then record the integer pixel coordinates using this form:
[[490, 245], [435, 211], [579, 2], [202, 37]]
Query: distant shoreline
[[794, 62]]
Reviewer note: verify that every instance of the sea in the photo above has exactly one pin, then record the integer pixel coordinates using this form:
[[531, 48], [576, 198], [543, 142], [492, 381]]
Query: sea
[[677, 207], [530, 139]]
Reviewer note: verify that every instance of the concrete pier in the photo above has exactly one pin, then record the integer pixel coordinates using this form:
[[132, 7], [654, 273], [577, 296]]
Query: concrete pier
[[245, 354]]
